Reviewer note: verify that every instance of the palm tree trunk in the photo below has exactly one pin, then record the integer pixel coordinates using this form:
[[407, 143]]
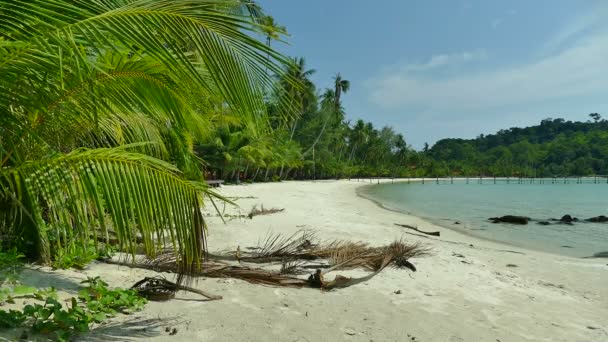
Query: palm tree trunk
[[266, 175], [246, 169], [293, 129], [318, 137]]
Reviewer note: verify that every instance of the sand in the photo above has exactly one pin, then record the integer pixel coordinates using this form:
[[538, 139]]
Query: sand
[[463, 292]]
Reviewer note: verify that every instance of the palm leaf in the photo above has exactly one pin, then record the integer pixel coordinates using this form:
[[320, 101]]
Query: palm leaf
[[140, 195]]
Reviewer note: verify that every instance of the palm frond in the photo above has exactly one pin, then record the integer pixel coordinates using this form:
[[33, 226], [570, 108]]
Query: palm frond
[[70, 196], [184, 37]]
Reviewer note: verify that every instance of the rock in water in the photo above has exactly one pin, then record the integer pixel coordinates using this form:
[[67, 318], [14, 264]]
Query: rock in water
[[568, 219], [600, 218], [544, 223], [510, 219]]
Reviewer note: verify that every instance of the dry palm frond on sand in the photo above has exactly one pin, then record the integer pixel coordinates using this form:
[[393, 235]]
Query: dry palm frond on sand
[[298, 254]]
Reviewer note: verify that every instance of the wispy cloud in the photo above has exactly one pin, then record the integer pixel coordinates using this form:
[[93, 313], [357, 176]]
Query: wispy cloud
[[443, 60], [584, 24], [498, 21], [581, 69]]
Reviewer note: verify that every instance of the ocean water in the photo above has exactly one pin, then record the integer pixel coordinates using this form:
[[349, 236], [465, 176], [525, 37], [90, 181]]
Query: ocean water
[[472, 204]]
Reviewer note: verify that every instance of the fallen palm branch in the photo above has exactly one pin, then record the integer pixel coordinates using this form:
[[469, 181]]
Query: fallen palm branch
[[276, 247], [161, 289], [296, 253], [418, 230], [256, 212]]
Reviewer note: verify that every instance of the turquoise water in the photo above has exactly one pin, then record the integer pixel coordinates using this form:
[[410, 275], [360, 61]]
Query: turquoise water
[[472, 204]]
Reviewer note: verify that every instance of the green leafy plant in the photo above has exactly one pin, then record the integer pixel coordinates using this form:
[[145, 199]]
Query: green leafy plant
[[77, 258], [106, 139], [10, 264], [95, 303], [100, 299]]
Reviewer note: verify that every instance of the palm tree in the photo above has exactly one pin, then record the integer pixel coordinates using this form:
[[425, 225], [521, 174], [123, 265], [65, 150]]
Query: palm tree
[[340, 86], [85, 86], [295, 85], [271, 29], [327, 110]]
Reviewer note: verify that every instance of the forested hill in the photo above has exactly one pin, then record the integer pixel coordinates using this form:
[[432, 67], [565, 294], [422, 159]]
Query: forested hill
[[555, 147]]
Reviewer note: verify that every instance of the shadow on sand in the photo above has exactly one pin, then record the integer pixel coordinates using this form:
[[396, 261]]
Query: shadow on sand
[[129, 329], [44, 279]]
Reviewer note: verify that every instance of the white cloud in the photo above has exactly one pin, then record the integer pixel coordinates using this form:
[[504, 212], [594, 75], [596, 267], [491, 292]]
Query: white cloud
[[496, 22], [443, 60], [585, 23], [580, 70]]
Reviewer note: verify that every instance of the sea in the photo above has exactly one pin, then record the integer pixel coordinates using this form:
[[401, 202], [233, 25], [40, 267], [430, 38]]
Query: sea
[[466, 206]]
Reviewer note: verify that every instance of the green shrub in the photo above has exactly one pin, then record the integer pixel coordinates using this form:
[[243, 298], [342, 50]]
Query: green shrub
[[94, 304]]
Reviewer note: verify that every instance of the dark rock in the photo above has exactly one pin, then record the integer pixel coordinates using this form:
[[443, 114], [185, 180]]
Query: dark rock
[[568, 219], [600, 218], [510, 219], [456, 222], [600, 255], [544, 223], [566, 246]]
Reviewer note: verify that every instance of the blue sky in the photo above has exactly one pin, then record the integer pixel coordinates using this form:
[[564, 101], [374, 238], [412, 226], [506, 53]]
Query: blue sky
[[436, 69]]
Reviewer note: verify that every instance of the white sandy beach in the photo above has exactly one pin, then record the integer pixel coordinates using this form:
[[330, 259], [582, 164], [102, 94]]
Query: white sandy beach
[[450, 298]]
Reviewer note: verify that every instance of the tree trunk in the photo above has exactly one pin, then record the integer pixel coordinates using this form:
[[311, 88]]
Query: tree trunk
[[266, 175], [318, 137], [293, 129]]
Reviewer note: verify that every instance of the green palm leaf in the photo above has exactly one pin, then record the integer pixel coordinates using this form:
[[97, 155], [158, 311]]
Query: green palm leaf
[[140, 196], [105, 73]]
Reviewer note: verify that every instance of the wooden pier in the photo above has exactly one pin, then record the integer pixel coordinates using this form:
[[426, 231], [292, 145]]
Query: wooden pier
[[599, 179]]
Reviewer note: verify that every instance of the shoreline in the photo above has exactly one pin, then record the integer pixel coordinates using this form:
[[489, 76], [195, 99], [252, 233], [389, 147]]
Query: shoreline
[[435, 221], [469, 227], [464, 291], [453, 229]]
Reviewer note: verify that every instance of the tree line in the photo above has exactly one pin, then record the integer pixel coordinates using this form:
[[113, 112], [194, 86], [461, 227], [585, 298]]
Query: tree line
[[554, 148]]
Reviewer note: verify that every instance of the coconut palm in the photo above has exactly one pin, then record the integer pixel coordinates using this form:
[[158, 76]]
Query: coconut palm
[[85, 86], [295, 85], [271, 29], [340, 86]]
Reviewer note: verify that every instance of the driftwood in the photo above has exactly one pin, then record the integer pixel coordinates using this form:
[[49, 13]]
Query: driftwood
[[418, 230], [256, 212]]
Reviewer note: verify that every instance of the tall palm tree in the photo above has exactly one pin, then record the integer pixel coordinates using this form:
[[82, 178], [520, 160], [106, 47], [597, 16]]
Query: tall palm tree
[[296, 86], [271, 29], [327, 111], [340, 86], [85, 86]]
